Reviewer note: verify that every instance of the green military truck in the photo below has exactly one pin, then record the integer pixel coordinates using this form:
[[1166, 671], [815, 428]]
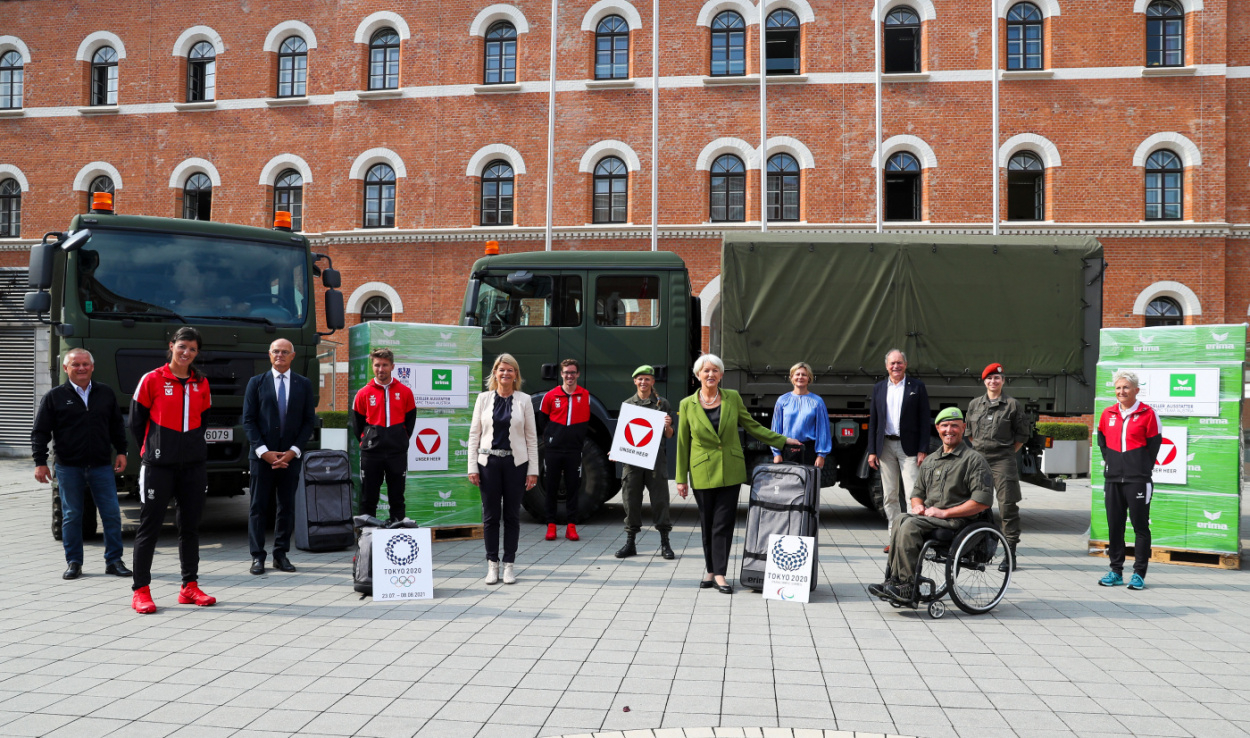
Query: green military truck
[[838, 302], [120, 285]]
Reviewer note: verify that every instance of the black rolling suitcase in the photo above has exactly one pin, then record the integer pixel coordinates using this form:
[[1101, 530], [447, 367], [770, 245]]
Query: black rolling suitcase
[[785, 499], [323, 503]]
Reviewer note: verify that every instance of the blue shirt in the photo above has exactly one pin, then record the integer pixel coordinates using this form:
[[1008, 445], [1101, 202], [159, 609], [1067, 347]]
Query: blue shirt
[[805, 418]]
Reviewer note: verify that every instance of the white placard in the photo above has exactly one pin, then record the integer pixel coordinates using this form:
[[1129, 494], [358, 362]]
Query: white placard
[[1185, 392], [436, 385], [402, 566], [1172, 464], [639, 433], [427, 451], [788, 569]]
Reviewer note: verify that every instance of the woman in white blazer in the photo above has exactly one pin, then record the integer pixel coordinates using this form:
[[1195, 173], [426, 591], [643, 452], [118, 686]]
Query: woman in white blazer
[[503, 461]]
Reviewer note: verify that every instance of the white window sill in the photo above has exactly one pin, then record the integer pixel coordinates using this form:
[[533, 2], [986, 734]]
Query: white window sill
[[905, 77], [601, 226], [496, 89], [478, 226], [199, 105], [1168, 71], [740, 79], [786, 79], [99, 109], [12, 112], [379, 94], [609, 84], [282, 102], [1014, 74]]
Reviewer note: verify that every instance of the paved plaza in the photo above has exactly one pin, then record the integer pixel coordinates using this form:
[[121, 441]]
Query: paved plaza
[[586, 643]]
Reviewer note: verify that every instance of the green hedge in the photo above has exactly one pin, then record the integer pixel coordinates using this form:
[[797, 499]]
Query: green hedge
[[1064, 431], [333, 419]]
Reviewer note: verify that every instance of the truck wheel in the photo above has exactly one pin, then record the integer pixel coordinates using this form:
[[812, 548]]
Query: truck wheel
[[595, 487], [862, 493], [56, 514], [878, 495], [829, 475]]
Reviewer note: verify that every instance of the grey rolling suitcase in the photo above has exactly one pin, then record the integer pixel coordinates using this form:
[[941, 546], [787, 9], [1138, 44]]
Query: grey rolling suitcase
[[323, 503], [785, 499]]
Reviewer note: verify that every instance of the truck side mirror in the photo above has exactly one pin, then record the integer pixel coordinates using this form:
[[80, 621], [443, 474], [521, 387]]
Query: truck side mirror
[[520, 278], [331, 278], [336, 316], [37, 302], [76, 241], [41, 256]]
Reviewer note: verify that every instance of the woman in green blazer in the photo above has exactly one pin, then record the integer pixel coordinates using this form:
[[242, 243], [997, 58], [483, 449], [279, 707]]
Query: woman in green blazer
[[710, 456]]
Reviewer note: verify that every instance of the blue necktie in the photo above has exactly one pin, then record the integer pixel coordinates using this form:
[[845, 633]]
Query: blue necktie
[[281, 404]]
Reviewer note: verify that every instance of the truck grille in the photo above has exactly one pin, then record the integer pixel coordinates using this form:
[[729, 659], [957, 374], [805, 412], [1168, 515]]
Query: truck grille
[[227, 371]]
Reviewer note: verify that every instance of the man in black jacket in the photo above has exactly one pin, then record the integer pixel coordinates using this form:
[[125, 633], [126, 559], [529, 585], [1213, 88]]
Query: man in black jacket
[[278, 416], [898, 432], [83, 419]]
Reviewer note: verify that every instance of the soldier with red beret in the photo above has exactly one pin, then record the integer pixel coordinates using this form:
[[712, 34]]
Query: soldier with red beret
[[998, 427]]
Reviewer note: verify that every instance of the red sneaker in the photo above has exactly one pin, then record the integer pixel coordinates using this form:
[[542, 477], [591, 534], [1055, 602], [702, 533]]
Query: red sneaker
[[570, 532], [551, 531], [142, 602], [191, 594]]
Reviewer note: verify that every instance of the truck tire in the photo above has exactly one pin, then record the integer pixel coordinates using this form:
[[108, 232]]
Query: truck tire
[[862, 493], [595, 486], [878, 495], [56, 514]]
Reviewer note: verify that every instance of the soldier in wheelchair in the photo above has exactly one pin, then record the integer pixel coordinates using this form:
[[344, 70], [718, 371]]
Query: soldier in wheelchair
[[948, 543]]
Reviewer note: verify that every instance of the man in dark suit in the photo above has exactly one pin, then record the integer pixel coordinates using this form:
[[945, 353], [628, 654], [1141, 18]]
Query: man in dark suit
[[898, 432], [278, 413]]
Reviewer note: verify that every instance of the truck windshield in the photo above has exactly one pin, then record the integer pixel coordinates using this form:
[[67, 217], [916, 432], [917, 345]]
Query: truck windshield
[[541, 301], [137, 274]]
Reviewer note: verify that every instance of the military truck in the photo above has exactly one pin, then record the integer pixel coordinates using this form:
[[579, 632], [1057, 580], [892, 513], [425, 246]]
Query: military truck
[[838, 302], [120, 285]]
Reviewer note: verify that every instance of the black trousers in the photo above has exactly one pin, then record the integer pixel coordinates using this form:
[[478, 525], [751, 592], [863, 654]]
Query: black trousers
[[268, 483], [564, 465], [1131, 499], [188, 485], [502, 485], [376, 468], [718, 512]]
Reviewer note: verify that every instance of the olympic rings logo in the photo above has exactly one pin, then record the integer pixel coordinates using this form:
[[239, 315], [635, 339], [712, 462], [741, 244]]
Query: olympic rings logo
[[401, 560], [403, 581]]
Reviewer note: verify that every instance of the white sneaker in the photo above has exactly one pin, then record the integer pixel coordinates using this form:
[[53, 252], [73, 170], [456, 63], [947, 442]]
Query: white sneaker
[[509, 575], [492, 572]]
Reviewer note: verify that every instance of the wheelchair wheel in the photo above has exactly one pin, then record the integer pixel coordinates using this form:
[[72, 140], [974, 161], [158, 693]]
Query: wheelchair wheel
[[976, 585], [933, 567], [937, 609]]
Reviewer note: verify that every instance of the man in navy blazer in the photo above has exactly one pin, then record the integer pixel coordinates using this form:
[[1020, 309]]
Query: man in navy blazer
[[278, 416], [898, 432]]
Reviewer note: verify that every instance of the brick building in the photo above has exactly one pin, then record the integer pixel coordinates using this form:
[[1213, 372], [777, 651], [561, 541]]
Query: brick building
[[409, 133]]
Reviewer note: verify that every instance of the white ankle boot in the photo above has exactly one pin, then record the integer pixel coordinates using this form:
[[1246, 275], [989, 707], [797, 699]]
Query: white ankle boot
[[509, 575], [492, 572]]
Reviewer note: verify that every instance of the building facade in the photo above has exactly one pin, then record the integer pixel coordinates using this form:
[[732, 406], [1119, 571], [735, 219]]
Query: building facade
[[404, 135]]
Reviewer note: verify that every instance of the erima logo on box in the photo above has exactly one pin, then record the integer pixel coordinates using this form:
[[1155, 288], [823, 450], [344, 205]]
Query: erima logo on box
[[1219, 344], [1213, 421], [1183, 385], [440, 379], [1210, 523], [445, 501]]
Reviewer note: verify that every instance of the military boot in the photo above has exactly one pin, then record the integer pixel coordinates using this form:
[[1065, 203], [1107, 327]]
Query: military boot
[[629, 549], [666, 550], [1009, 563]]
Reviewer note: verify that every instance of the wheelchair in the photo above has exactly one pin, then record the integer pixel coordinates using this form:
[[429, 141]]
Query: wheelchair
[[961, 563]]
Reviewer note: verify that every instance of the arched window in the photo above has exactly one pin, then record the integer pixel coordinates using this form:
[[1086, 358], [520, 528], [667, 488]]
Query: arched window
[[500, 66], [783, 187], [1165, 34], [728, 188], [197, 197], [202, 73], [376, 308], [729, 45], [384, 60], [10, 209], [104, 76], [293, 67], [380, 197], [611, 191], [102, 183], [902, 41], [11, 74], [1164, 311], [1024, 37], [288, 195], [782, 34], [612, 48], [1164, 182], [1026, 187], [902, 187], [498, 182]]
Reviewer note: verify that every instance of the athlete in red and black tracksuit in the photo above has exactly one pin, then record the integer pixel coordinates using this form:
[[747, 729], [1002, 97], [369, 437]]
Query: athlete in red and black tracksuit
[[1129, 441], [383, 418], [167, 414], [567, 416]]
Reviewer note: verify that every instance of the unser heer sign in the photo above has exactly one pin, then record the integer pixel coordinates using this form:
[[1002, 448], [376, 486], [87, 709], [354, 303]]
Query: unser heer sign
[[639, 432]]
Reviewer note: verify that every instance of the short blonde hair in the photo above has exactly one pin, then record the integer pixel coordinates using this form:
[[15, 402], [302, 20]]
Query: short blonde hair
[[491, 383], [801, 365], [1125, 374], [712, 359]]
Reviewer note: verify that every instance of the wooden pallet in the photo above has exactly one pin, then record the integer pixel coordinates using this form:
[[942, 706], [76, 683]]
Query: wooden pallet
[[456, 533], [1161, 555]]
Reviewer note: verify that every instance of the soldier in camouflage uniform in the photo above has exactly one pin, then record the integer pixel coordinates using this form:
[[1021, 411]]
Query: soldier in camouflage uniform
[[997, 427]]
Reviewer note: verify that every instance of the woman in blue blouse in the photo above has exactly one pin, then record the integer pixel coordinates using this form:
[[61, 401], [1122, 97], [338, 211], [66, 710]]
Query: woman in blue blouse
[[803, 415]]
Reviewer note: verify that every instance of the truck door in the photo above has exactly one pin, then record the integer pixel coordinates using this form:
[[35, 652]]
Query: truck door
[[627, 329], [524, 314]]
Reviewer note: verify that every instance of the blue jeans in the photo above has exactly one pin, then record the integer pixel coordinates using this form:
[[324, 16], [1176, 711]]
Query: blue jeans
[[73, 482]]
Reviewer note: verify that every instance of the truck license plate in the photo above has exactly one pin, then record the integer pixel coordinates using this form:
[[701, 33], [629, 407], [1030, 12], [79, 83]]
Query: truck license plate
[[219, 435]]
